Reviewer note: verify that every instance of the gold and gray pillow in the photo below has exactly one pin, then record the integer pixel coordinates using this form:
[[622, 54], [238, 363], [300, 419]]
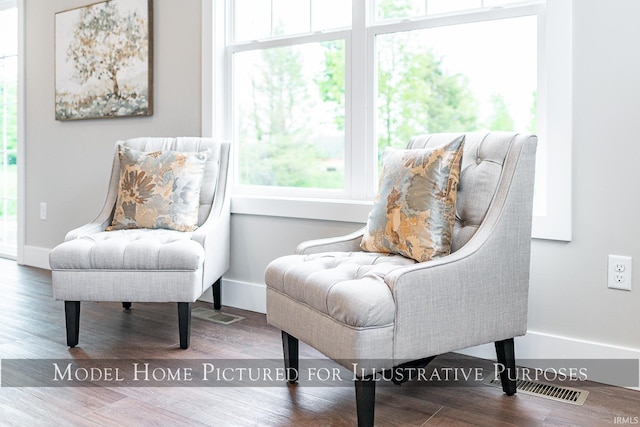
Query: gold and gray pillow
[[414, 211], [159, 189]]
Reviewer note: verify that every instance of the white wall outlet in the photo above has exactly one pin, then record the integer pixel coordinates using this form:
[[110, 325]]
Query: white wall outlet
[[619, 272], [43, 210]]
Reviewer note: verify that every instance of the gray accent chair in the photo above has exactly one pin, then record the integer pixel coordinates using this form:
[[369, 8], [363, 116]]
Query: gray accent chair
[[385, 311], [149, 265]]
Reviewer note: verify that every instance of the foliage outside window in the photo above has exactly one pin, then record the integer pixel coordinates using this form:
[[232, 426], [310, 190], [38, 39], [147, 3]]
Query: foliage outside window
[[289, 127], [431, 66], [288, 85], [459, 78]]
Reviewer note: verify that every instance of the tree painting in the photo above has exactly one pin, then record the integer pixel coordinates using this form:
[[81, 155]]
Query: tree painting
[[103, 58]]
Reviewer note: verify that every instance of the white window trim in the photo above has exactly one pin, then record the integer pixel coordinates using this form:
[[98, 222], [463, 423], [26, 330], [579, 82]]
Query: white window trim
[[288, 192], [10, 252], [556, 81], [556, 86]]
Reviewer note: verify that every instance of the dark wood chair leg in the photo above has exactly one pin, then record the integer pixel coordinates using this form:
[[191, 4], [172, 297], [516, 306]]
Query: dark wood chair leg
[[290, 350], [216, 294], [184, 323], [365, 400], [401, 373], [507, 359], [72, 318], [126, 305]]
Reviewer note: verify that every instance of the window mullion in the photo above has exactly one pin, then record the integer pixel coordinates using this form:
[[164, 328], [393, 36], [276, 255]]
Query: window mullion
[[448, 20], [359, 155], [289, 41], [271, 18]]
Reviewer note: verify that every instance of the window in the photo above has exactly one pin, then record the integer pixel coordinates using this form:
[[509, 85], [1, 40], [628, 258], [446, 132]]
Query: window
[[288, 82], [8, 127], [289, 129], [463, 77], [318, 89]]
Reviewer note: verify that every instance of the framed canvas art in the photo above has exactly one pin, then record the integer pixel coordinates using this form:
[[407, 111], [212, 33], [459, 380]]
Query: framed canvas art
[[104, 60]]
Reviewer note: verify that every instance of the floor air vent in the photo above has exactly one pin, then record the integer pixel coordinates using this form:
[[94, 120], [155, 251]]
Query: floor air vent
[[214, 316], [570, 395]]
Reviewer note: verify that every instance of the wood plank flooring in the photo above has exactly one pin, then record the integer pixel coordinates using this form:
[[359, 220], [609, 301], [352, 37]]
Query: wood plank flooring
[[32, 327]]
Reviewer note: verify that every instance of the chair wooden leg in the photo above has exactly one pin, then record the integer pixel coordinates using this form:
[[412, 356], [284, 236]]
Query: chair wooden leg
[[507, 359], [72, 318], [126, 305], [290, 350], [217, 304], [184, 323], [365, 400], [401, 373]]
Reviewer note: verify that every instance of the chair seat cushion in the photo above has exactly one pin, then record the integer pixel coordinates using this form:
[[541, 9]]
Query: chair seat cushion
[[347, 286], [138, 249]]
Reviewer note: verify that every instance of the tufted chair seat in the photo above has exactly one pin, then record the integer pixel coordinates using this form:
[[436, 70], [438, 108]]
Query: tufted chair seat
[[349, 287], [153, 251], [386, 311], [149, 265]]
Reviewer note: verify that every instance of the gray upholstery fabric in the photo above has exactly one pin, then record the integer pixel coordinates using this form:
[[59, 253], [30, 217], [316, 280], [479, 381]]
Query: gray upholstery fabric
[[142, 249], [370, 347], [348, 286], [149, 265], [476, 295], [484, 155], [131, 286]]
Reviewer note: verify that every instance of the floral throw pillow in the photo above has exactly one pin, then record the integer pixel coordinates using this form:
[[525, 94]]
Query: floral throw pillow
[[414, 210], [158, 189]]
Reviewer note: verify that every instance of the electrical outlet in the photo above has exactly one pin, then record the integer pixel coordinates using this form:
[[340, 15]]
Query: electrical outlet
[[619, 272]]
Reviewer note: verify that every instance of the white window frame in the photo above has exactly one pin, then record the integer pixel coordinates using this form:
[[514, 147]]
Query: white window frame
[[11, 252], [253, 46], [353, 205]]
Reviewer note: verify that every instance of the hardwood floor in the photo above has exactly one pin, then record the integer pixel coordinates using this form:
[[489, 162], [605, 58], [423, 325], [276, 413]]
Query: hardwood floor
[[33, 328]]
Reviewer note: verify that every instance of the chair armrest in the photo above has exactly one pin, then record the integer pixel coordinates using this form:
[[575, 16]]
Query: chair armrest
[[96, 226], [215, 233], [215, 237], [474, 296], [216, 227], [100, 223], [347, 243]]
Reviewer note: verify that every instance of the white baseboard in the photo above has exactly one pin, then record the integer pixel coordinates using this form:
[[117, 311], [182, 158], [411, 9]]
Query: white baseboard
[[35, 256], [541, 350], [243, 295]]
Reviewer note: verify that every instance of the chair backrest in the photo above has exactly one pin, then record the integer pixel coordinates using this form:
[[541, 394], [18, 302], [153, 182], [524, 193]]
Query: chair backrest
[[215, 172], [483, 166]]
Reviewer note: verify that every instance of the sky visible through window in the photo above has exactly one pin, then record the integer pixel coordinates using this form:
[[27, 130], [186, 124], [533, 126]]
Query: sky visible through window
[[497, 57], [9, 32]]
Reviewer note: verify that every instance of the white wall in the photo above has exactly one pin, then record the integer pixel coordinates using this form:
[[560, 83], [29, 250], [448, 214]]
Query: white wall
[[68, 163], [569, 295], [572, 313]]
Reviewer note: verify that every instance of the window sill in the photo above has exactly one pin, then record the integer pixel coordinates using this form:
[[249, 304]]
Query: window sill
[[353, 211], [304, 208]]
